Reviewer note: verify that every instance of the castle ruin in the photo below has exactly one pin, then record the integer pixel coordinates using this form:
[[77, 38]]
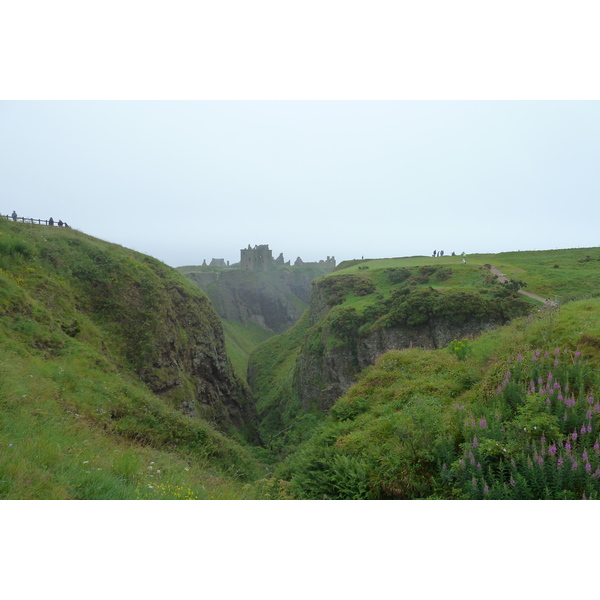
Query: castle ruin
[[260, 258]]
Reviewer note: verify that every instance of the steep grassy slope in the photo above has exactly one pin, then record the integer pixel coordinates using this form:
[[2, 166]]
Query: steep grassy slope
[[513, 413], [114, 380]]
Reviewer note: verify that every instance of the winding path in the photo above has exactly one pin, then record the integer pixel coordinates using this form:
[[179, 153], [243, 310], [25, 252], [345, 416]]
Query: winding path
[[504, 279]]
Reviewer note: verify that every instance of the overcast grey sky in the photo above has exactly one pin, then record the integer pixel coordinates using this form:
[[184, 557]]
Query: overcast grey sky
[[192, 180]]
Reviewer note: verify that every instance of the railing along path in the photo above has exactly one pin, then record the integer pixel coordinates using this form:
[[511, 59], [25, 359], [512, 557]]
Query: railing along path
[[33, 221]]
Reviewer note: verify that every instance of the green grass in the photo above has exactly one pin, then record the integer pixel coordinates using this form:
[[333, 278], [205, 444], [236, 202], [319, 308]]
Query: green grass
[[84, 327], [570, 278], [393, 427], [241, 340]]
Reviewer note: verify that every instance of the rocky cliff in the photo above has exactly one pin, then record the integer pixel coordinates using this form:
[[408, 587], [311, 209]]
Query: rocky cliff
[[273, 300], [351, 322], [148, 320]]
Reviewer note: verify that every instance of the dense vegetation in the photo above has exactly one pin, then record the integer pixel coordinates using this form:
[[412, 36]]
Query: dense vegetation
[[511, 414], [91, 405], [114, 381]]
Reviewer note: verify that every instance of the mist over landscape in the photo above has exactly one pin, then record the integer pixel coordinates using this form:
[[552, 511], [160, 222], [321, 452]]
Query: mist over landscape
[[195, 180]]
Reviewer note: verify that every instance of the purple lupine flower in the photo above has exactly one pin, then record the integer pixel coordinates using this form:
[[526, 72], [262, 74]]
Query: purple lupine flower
[[577, 354], [574, 465], [591, 399], [560, 461], [483, 424], [556, 350], [560, 396], [566, 388], [589, 429], [548, 401], [507, 374], [475, 442], [462, 463], [584, 455], [574, 435], [552, 450], [540, 381], [588, 415], [567, 446], [583, 429], [513, 482], [596, 446], [588, 467], [479, 465], [537, 352], [543, 439], [486, 489], [597, 474], [549, 376], [556, 385], [556, 363], [498, 390], [519, 358], [534, 358], [545, 354], [540, 461], [444, 468]]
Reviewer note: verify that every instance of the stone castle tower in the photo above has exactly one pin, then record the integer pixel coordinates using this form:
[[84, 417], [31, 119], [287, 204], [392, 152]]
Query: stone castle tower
[[259, 258]]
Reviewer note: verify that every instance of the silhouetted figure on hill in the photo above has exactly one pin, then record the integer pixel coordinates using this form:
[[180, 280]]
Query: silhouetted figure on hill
[[66, 224], [51, 221], [434, 253], [464, 258], [441, 253], [14, 215], [60, 223], [453, 253]]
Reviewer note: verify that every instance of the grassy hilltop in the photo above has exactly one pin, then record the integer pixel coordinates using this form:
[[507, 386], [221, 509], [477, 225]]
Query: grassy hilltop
[[114, 382]]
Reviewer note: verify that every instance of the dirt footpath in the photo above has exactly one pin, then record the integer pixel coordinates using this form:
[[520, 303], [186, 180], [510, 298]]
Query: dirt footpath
[[503, 279]]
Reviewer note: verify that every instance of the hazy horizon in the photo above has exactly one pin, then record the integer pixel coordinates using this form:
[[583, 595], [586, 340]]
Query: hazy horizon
[[194, 180]]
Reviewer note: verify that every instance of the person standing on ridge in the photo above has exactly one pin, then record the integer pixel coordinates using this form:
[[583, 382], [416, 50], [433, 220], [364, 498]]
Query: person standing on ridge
[[14, 215], [464, 258], [51, 221]]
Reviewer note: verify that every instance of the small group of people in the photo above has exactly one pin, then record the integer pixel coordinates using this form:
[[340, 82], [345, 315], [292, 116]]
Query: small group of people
[[50, 220], [437, 254], [60, 223]]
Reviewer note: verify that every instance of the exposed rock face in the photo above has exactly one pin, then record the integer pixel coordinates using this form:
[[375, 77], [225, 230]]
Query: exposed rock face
[[327, 365], [323, 377], [273, 300], [189, 366]]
